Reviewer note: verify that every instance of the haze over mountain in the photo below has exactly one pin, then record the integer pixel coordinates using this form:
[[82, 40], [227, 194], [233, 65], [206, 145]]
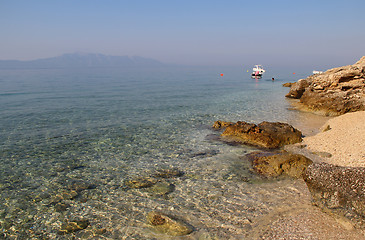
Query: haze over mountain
[[77, 60]]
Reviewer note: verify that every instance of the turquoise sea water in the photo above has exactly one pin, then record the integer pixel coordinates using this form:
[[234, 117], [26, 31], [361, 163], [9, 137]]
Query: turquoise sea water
[[71, 139]]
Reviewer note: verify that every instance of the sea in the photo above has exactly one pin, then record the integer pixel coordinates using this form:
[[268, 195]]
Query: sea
[[88, 153]]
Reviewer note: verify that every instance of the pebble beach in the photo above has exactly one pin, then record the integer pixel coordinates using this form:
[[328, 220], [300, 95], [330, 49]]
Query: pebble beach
[[340, 141]]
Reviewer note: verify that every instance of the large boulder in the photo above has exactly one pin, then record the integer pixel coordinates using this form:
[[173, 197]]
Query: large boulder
[[275, 164], [338, 189], [265, 135], [334, 92]]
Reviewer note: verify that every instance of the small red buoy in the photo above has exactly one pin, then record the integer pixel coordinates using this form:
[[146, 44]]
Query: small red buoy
[[293, 73], [221, 74]]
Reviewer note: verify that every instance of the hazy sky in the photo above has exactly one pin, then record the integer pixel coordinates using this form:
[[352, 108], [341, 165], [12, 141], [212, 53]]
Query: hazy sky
[[225, 32]]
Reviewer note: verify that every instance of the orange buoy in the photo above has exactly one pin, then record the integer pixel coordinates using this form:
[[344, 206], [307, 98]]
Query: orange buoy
[[221, 74]]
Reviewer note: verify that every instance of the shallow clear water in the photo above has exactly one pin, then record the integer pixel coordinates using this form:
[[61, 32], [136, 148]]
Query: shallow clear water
[[70, 139]]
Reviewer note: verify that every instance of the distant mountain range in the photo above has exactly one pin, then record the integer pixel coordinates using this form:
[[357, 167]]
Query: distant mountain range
[[76, 60]]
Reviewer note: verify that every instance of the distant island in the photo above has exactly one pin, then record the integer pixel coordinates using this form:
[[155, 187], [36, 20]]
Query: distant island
[[77, 60]]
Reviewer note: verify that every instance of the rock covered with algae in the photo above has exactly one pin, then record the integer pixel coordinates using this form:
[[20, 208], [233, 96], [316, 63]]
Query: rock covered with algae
[[73, 226], [162, 223], [141, 182]]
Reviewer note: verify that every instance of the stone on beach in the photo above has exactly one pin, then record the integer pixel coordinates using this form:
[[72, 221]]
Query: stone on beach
[[266, 134]]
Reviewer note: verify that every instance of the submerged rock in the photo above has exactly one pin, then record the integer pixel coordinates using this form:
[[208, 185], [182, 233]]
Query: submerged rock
[[334, 92], [73, 226], [162, 188], [338, 189], [79, 186], [207, 153], [63, 195], [155, 181], [168, 225], [141, 182], [265, 135], [61, 207], [274, 164], [168, 173]]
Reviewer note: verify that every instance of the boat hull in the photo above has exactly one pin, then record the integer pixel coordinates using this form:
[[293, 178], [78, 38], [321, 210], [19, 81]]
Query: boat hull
[[253, 75]]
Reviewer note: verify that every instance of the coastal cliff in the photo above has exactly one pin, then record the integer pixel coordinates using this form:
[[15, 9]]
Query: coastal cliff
[[334, 92]]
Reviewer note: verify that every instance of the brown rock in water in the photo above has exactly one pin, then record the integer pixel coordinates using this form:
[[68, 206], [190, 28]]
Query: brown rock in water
[[338, 189], [61, 207], [334, 92], [265, 135], [162, 188], [274, 164], [141, 182], [289, 84], [73, 226], [168, 225], [221, 124]]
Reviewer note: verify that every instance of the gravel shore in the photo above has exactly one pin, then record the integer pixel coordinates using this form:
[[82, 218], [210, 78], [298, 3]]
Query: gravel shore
[[341, 141]]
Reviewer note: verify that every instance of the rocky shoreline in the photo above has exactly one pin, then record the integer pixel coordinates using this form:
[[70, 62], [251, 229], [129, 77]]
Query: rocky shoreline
[[291, 187], [331, 163], [337, 190], [334, 191], [337, 178], [334, 92]]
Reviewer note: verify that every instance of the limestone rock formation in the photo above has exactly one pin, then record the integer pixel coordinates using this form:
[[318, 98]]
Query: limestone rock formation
[[297, 89], [334, 92], [339, 189], [274, 164], [266, 134]]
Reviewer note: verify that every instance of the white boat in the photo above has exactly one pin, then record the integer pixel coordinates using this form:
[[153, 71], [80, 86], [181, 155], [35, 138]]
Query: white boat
[[258, 71], [317, 72]]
